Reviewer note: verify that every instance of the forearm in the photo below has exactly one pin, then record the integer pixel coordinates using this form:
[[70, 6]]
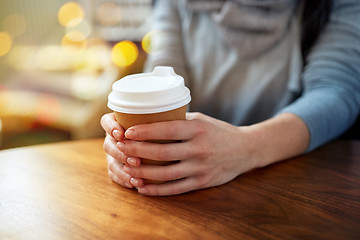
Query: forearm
[[281, 137], [330, 98]]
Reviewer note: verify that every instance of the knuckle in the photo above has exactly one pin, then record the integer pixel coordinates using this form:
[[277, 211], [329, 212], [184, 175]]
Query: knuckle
[[201, 127], [204, 181], [130, 148], [169, 131], [174, 174], [201, 152], [164, 153], [120, 157]]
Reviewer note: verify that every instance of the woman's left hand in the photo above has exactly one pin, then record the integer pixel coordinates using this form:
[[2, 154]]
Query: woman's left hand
[[211, 152]]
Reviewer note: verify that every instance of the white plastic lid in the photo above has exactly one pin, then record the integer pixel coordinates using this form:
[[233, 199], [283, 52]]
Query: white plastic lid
[[159, 91]]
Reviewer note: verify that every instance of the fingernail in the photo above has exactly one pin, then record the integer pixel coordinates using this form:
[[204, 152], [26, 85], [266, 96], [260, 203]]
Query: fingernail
[[121, 146], [130, 133], [131, 161], [116, 134], [134, 181]]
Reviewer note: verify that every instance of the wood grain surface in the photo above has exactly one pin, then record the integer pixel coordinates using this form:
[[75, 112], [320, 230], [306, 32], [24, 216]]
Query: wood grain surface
[[62, 191]]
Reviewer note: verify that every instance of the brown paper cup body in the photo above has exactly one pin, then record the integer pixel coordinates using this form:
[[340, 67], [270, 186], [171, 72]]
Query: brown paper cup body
[[127, 120]]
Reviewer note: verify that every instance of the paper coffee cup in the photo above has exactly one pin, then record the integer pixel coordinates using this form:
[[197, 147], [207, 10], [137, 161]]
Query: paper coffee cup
[[149, 97]]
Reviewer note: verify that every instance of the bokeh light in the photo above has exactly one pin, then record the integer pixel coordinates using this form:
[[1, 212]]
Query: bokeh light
[[109, 14], [78, 32], [51, 58], [71, 14], [5, 43], [67, 42], [148, 41], [14, 24], [124, 53], [84, 86], [20, 57], [94, 57]]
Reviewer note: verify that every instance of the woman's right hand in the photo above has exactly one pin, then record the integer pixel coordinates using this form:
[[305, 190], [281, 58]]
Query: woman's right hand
[[115, 158]]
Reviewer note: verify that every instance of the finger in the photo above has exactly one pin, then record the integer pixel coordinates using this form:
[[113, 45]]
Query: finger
[[171, 188], [170, 130], [111, 149], [119, 181], [117, 174], [111, 126], [160, 152], [163, 173], [133, 161], [136, 182]]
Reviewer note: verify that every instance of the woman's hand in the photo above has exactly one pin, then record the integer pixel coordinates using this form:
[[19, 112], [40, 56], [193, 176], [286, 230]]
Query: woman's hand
[[115, 158], [211, 153]]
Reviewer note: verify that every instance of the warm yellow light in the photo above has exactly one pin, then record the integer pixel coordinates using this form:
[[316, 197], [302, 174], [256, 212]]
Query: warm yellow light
[[15, 25], [21, 57], [75, 36], [85, 86], [5, 43], [79, 32], [71, 14], [146, 42], [124, 53], [66, 41], [150, 40]]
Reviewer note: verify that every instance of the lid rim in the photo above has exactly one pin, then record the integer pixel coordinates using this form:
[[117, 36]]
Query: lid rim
[[122, 102], [149, 110]]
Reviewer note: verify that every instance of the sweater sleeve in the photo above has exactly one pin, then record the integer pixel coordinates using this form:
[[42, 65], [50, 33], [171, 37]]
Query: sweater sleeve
[[330, 102], [166, 42]]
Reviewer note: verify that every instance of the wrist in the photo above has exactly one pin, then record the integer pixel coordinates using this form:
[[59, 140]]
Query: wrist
[[246, 148], [255, 145], [276, 139]]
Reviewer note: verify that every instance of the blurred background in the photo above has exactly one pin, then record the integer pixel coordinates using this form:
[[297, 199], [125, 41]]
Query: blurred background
[[58, 60]]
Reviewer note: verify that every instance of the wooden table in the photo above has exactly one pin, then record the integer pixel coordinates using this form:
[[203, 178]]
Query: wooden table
[[62, 191]]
